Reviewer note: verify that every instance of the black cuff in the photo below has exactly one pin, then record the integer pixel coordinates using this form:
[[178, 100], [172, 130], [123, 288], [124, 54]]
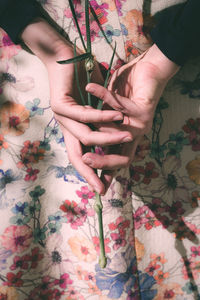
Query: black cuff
[[177, 31], [17, 14], [173, 47]]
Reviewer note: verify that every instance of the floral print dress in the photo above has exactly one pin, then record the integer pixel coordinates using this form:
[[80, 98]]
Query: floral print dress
[[49, 242]]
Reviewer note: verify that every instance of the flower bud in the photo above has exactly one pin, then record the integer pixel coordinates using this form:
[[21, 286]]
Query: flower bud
[[89, 64]]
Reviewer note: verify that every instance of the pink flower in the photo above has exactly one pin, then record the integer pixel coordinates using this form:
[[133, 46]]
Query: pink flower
[[120, 224], [195, 251], [95, 240], [85, 194], [118, 239], [94, 30], [7, 48], [73, 294], [14, 279], [192, 270], [20, 262], [32, 174], [63, 281], [35, 257], [152, 267], [140, 217], [16, 238], [80, 15]]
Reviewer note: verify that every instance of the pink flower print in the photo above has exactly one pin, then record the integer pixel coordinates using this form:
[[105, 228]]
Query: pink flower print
[[195, 251], [152, 267], [96, 243], [139, 217], [72, 294], [64, 281], [35, 257], [31, 174], [89, 276], [118, 239], [149, 172], [120, 224], [7, 48], [100, 11], [16, 238], [176, 209], [194, 269], [14, 279], [80, 14], [20, 262], [94, 31], [85, 194]]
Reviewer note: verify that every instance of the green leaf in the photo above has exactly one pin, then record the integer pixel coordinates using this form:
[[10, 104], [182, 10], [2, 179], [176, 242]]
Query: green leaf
[[87, 25], [100, 27], [76, 22], [75, 59], [77, 78], [100, 103]]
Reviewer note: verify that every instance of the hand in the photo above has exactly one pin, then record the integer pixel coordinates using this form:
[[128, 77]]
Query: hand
[[134, 90], [50, 47]]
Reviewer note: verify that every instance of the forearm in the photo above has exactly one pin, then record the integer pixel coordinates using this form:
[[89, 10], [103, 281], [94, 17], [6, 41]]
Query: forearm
[[45, 42]]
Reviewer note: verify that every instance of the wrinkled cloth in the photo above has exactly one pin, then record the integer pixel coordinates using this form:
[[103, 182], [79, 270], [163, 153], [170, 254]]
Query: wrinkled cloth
[[49, 243]]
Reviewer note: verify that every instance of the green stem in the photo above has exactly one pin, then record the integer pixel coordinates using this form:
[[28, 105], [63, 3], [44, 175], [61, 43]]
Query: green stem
[[88, 94], [98, 208]]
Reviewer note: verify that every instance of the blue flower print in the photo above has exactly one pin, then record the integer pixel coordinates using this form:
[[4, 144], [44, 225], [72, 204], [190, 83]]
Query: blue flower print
[[110, 32], [69, 174], [7, 177], [124, 29], [4, 254], [19, 208], [117, 283], [145, 284], [33, 107]]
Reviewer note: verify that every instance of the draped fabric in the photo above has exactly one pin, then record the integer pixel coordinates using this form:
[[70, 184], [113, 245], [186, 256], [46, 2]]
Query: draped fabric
[[49, 242]]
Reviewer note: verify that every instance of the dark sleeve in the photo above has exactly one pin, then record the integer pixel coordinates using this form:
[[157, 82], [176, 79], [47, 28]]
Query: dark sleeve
[[15, 15], [177, 33]]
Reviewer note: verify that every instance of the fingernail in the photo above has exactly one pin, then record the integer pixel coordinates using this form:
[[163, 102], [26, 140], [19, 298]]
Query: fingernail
[[90, 89], [117, 118], [88, 161], [127, 139]]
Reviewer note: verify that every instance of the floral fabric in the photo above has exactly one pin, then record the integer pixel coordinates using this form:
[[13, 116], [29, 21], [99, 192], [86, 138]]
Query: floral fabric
[[49, 243]]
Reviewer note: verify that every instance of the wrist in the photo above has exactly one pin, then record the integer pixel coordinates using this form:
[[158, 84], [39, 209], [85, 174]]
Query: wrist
[[166, 68]]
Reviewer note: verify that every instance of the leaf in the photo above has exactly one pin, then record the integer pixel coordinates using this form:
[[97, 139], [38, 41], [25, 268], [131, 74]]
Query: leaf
[[75, 59], [76, 22]]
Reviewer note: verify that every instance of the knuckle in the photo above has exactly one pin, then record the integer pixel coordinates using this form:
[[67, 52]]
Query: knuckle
[[85, 141], [102, 94]]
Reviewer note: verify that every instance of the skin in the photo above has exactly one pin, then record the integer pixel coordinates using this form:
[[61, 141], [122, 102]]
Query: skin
[[133, 102], [134, 90], [49, 46]]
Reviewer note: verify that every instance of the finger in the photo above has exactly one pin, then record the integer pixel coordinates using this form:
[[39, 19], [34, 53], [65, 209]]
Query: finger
[[106, 178], [89, 137], [130, 107], [74, 151], [105, 162], [114, 100], [86, 114]]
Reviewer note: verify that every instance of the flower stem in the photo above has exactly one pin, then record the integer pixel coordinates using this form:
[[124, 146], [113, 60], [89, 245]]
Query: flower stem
[[98, 208]]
